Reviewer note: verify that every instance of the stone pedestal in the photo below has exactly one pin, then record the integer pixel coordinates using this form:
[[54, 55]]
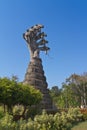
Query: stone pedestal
[[35, 77]]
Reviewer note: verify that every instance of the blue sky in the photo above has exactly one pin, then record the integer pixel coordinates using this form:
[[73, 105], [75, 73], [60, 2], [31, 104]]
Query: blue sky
[[65, 22]]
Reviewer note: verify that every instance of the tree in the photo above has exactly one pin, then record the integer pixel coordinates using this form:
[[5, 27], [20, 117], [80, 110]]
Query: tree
[[68, 96], [6, 92], [55, 93], [13, 93], [79, 87], [28, 96]]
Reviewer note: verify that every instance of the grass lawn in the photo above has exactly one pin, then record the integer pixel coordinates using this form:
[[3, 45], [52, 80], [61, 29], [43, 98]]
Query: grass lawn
[[80, 126]]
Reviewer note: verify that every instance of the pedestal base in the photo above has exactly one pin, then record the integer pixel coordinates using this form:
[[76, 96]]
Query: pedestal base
[[35, 77]]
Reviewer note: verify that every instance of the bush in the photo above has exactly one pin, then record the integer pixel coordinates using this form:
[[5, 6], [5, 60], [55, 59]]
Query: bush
[[59, 121], [84, 113], [1, 112], [74, 115]]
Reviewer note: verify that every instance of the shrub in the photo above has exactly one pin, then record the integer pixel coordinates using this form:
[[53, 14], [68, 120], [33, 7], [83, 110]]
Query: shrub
[[84, 113], [1, 112], [58, 121], [74, 115]]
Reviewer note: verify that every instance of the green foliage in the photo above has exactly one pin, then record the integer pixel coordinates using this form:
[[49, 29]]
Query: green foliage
[[8, 92], [6, 122], [13, 94], [73, 92], [84, 116], [74, 115], [78, 85], [13, 97], [59, 121], [1, 112], [28, 95], [55, 93], [84, 113], [18, 110], [45, 121]]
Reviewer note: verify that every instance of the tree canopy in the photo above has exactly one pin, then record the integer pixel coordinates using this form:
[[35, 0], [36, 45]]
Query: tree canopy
[[73, 92], [13, 93]]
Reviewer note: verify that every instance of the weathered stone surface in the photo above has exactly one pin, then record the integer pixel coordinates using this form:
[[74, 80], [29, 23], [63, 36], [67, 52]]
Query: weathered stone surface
[[35, 77], [35, 74]]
